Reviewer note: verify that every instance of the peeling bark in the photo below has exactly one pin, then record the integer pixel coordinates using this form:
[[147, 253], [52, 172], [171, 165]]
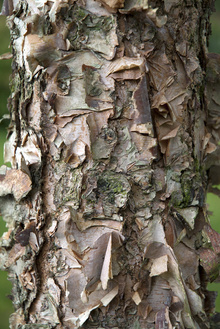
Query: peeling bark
[[114, 128]]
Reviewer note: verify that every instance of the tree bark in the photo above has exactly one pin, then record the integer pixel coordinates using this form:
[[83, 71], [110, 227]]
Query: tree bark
[[113, 128]]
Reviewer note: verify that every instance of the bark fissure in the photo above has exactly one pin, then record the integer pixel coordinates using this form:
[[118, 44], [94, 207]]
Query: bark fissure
[[117, 128]]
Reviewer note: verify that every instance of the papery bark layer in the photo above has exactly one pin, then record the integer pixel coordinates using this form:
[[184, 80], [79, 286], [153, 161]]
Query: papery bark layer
[[112, 128]]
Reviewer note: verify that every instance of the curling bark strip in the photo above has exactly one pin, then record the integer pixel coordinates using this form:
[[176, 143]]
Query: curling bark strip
[[109, 143]]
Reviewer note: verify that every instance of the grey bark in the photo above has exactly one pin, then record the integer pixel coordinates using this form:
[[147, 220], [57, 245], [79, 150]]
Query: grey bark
[[114, 126]]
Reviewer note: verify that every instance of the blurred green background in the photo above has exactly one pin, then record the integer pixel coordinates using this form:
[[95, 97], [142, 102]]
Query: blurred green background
[[5, 69], [213, 200]]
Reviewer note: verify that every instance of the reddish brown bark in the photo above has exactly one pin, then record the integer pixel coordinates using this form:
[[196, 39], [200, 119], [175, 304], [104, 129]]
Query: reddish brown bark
[[112, 127]]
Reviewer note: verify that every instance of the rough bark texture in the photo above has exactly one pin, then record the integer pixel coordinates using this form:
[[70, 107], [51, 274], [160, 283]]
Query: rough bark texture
[[112, 124]]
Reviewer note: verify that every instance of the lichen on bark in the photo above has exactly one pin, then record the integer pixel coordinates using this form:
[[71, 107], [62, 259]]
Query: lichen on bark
[[113, 126]]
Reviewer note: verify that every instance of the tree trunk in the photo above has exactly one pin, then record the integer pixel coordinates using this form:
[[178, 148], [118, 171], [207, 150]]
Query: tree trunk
[[113, 128]]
